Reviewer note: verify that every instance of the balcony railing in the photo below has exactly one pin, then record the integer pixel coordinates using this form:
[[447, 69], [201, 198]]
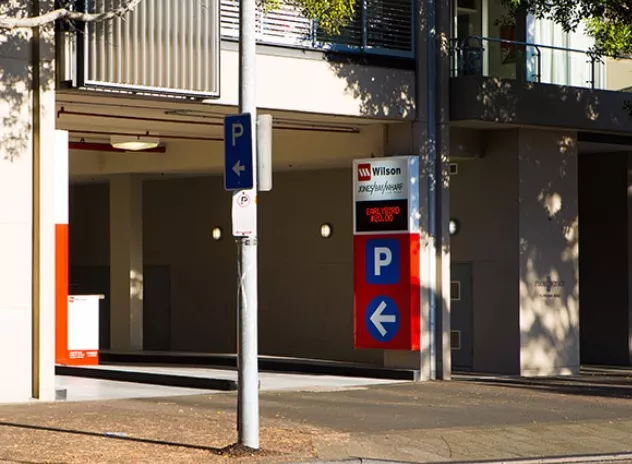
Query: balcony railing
[[172, 47], [492, 57], [378, 27]]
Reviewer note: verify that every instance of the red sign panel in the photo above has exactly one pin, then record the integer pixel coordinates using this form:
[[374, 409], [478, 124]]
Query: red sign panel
[[386, 291]]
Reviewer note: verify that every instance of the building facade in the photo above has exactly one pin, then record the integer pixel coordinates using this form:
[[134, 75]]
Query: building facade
[[534, 133]]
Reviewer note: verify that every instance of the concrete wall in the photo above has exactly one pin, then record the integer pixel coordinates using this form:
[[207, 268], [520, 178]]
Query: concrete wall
[[511, 102], [517, 209], [306, 287], [16, 220], [27, 229], [484, 199], [341, 87], [618, 74], [549, 250], [604, 271]]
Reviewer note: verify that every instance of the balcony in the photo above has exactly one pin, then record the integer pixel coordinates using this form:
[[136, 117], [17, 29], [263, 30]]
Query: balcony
[[537, 63], [383, 27], [497, 81]]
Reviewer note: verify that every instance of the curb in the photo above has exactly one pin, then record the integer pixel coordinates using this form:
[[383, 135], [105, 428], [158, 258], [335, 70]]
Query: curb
[[357, 461], [166, 380], [266, 364], [575, 459]]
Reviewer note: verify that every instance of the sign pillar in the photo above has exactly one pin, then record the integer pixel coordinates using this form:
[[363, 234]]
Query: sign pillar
[[241, 179], [386, 248]]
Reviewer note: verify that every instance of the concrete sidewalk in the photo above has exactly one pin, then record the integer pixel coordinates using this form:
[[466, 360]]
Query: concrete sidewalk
[[463, 420]]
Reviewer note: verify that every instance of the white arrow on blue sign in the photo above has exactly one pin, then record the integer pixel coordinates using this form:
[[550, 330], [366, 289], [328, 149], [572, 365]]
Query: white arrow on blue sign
[[382, 318], [238, 165]]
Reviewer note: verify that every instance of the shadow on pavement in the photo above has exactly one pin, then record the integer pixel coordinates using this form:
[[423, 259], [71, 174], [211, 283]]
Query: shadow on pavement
[[13, 461], [608, 382], [218, 451]]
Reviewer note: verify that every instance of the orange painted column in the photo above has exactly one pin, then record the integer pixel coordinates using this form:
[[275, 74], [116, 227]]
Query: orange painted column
[[61, 199], [61, 293], [76, 326]]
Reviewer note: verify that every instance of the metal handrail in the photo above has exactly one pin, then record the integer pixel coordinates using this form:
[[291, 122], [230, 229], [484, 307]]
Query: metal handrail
[[530, 44], [464, 44], [458, 45], [550, 47]]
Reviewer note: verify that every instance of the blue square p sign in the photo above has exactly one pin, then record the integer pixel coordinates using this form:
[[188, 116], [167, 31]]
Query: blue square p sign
[[238, 165], [382, 261]]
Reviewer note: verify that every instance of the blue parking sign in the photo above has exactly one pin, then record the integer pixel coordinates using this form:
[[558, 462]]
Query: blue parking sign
[[382, 261]]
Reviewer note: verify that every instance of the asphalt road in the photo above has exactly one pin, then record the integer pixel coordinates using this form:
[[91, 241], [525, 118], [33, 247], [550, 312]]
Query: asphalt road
[[460, 404], [465, 420]]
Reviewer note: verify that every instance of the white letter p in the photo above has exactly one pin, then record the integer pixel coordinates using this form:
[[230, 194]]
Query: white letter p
[[238, 131], [383, 257]]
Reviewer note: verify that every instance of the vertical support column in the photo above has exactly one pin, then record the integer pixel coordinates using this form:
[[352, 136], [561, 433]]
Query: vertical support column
[[16, 243], [16, 215], [408, 138], [126, 263], [549, 253], [426, 361], [430, 140], [629, 266], [43, 114], [432, 167], [443, 307], [419, 144], [60, 197], [26, 211], [444, 352]]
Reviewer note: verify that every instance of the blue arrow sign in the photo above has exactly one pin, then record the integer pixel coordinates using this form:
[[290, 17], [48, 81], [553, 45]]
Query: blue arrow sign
[[238, 166], [382, 318]]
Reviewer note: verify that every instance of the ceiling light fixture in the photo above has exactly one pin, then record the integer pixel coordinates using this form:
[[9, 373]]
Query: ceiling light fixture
[[454, 227], [216, 233], [326, 230], [131, 143]]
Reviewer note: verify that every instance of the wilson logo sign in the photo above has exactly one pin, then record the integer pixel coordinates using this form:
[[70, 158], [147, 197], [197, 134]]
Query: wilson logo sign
[[366, 172]]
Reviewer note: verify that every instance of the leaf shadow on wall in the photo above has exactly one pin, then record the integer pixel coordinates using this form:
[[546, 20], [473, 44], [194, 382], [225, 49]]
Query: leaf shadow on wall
[[17, 84]]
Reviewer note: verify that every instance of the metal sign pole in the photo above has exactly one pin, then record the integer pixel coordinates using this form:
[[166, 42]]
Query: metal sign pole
[[247, 170], [248, 394]]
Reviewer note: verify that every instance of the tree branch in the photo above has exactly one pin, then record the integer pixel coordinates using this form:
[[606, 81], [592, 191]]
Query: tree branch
[[64, 13]]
